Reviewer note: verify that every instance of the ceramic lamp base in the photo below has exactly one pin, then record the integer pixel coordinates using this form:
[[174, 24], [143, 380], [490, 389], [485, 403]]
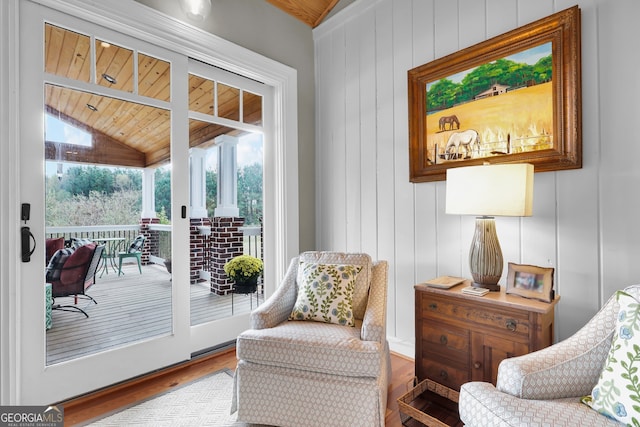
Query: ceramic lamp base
[[485, 255]]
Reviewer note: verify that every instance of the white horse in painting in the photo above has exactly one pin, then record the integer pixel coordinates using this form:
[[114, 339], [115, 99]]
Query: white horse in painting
[[467, 139]]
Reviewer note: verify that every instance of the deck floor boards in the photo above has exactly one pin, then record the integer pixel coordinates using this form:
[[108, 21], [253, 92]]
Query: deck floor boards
[[130, 308]]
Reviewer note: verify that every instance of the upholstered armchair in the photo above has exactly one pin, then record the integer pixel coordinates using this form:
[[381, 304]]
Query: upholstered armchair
[[545, 387], [312, 373]]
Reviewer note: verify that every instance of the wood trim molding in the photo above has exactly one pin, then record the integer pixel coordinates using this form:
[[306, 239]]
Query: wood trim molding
[[9, 204]]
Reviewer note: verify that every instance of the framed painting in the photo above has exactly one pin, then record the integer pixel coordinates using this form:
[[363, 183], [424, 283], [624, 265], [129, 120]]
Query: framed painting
[[511, 99], [530, 281]]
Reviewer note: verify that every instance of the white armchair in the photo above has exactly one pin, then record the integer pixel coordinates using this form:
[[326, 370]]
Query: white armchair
[[306, 373], [544, 387]]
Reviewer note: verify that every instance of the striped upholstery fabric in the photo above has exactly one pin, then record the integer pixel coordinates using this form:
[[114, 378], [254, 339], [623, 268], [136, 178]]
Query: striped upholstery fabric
[[54, 269], [544, 387], [305, 373]]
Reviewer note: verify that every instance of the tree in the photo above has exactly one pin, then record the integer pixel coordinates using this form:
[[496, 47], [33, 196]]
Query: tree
[[163, 191], [211, 181], [441, 95], [250, 193]]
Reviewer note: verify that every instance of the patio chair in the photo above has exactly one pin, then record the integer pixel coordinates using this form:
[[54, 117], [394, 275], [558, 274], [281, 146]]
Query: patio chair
[[71, 272], [134, 251], [51, 246]]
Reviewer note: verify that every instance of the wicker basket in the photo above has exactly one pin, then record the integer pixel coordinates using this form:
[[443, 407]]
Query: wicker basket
[[407, 410]]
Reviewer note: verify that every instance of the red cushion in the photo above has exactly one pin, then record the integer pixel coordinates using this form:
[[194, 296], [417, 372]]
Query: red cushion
[[76, 265], [52, 245]]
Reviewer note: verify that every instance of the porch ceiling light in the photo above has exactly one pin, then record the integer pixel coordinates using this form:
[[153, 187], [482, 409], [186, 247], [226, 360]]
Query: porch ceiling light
[[92, 107], [197, 10], [109, 78]]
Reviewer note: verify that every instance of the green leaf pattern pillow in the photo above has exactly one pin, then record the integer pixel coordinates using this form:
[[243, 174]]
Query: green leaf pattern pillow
[[325, 293], [617, 394]]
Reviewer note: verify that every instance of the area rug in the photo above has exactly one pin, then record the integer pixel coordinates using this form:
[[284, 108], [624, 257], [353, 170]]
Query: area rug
[[204, 402]]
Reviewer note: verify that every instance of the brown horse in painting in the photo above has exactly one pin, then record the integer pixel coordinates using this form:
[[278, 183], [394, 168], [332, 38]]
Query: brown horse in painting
[[450, 120]]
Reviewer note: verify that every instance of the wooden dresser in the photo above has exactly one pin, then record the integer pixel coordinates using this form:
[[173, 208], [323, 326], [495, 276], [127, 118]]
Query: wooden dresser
[[462, 338]]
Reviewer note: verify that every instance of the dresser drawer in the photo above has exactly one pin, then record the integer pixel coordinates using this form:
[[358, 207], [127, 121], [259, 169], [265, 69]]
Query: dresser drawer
[[442, 341], [448, 310], [445, 373]]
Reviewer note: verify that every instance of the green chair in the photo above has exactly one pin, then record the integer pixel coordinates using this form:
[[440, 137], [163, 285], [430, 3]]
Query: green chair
[[134, 251]]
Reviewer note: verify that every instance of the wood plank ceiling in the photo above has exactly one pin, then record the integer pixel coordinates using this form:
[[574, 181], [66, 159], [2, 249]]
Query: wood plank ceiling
[[311, 12], [125, 133], [128, 134]]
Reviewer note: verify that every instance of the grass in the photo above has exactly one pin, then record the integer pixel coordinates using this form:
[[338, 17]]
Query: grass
[[524, 116]]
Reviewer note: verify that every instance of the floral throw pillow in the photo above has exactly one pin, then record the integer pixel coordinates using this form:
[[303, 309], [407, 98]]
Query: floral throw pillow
[[325, 293], [617, 394]]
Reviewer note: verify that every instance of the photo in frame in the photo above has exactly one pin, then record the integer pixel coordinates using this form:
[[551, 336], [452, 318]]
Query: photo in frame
[[530, 281], [514, 98]]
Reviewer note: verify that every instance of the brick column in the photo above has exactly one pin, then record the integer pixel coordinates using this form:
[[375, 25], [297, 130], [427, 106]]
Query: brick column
[[226, 243], [151, 239]]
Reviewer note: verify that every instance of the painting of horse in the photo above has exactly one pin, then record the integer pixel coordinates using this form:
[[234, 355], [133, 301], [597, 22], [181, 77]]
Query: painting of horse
[[468, 139], [449, 120]]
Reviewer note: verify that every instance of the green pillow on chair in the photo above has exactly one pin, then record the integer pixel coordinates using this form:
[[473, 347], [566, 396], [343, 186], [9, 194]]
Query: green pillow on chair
[[325, 293], [617, 394]]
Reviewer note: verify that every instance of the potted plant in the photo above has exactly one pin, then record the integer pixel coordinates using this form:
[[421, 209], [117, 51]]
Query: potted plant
[[244, 270]]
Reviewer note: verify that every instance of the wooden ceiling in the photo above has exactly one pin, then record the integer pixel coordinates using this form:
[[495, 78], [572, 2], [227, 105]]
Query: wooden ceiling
[[311, 12], [126, 133]]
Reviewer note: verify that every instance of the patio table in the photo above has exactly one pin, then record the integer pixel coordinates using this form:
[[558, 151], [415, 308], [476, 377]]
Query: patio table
[[112, 246]]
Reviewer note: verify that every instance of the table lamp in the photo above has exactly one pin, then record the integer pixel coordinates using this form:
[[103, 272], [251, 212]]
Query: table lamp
[[488, 191]]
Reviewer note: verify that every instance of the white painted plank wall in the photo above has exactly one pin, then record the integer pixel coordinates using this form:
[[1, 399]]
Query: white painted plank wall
[[584, 221]]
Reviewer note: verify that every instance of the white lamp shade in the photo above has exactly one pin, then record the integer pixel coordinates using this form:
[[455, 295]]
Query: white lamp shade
[[490, 190]]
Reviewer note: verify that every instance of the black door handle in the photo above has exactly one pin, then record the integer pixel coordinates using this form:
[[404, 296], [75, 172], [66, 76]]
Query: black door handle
[[26, 238]]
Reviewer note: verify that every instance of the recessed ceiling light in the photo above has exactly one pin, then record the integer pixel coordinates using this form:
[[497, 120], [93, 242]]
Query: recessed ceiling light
[[108, 78], [105, 44], [92, 107]]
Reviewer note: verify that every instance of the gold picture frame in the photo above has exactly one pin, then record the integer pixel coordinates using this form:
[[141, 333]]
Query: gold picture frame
[[491, 103], [530, 281]]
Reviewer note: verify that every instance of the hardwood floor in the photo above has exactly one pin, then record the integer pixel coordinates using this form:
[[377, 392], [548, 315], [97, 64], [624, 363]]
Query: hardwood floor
[[96, 404]]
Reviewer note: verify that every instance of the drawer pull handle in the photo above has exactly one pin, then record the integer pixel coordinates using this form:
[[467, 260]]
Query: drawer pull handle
[[511, 324], [433, 306], [443, 339], [444, 375], [477, 365]]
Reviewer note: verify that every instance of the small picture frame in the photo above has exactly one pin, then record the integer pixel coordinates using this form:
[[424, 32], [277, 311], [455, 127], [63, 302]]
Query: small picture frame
[[530, 281]]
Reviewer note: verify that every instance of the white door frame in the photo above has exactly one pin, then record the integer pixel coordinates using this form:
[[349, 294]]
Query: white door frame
[[135, 20]]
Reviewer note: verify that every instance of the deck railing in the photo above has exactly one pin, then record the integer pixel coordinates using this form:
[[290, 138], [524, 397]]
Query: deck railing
[[252, 237], [94, 232]]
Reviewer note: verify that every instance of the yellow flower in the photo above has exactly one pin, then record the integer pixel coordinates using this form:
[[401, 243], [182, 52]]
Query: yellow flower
[[243, 267]]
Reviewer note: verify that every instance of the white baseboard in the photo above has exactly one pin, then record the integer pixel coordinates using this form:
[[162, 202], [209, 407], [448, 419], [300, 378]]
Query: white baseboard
[[403, 347]]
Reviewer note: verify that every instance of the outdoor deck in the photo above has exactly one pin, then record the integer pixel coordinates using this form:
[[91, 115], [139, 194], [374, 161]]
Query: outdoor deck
[[131, 307]]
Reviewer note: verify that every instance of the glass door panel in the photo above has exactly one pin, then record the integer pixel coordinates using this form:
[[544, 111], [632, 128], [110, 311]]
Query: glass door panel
[[228, 102], [154, 77], [94, 196], [114, 66], [226, 140], [251, 108], [67, 53]]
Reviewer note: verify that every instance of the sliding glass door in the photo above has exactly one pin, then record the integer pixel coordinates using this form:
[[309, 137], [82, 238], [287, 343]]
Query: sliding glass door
[[226, 139], [131, 157], [105, 153]]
